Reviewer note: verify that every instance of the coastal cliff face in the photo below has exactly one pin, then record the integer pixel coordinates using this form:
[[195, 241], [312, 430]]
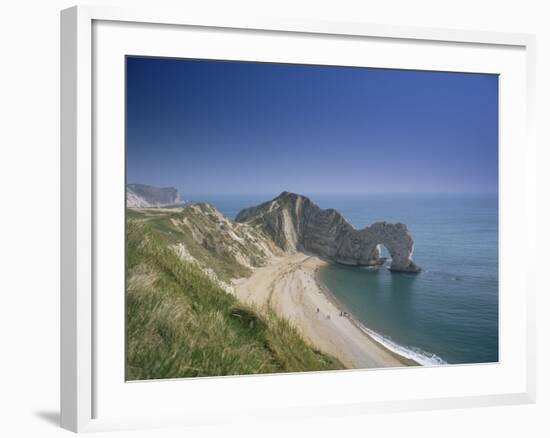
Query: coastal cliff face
[[295, 223], [143, 196]]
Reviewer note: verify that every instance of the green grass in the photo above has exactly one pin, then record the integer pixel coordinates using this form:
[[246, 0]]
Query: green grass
[[213, 248], [181, 324]]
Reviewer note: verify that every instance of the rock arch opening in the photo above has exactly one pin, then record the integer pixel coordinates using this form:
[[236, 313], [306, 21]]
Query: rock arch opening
[[395, 238]]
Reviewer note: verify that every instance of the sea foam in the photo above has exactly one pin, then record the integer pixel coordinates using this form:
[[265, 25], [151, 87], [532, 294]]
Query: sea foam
[[418, 355]]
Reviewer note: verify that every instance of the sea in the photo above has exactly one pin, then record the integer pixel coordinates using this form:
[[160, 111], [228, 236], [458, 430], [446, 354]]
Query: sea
[[446, 314]]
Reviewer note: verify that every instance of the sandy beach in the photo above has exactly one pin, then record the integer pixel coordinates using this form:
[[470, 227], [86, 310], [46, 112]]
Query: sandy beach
[[289, 286]]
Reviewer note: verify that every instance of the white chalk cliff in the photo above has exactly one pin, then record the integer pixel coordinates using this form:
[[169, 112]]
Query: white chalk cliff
[[143, 196]]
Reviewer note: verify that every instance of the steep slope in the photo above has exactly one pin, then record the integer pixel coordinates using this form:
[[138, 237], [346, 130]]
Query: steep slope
[[200, 234], [141, 196], [295, 223], [182, 324]]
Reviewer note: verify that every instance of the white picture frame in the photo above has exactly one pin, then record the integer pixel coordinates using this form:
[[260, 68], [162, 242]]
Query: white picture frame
[[82, 170]]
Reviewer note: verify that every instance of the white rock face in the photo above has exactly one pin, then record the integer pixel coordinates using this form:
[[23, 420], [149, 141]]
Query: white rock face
[[142, 196], [135, 201], [296, 223]]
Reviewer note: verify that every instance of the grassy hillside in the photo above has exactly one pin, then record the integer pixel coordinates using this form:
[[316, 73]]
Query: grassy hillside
[[227, 247], [181, 324]]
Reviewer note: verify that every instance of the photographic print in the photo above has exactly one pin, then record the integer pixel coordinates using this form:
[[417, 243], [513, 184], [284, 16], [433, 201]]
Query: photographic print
[[296, 218]]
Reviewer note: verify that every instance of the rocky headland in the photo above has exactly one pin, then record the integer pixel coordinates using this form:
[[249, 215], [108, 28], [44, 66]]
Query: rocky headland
[[295, 223]]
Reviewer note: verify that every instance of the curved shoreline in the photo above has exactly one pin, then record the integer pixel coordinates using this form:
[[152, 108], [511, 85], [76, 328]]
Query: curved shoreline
[[330, 296], [289, 285]]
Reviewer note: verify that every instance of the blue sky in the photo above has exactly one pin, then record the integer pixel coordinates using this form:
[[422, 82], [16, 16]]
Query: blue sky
[[237, 127]]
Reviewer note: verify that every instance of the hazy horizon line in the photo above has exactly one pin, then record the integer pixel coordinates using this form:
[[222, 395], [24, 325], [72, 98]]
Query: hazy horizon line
[[185, 193], [307, 192]]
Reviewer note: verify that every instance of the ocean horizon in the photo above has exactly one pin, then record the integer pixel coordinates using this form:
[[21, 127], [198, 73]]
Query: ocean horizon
[[448, 313]]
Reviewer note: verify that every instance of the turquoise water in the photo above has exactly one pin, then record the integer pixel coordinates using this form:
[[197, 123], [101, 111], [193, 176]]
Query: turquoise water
[[447, 313]]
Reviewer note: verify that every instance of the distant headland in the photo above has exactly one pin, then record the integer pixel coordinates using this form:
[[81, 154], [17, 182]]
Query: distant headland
[[143, 196]]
